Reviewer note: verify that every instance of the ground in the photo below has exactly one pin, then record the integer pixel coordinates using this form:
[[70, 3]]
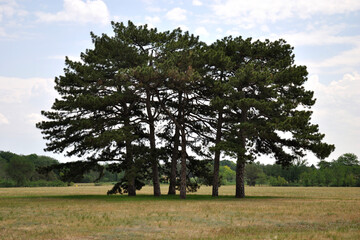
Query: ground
[[85, 212]]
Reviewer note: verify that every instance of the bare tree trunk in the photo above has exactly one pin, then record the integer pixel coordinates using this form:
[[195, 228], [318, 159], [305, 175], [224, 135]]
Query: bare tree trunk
[[155, 170], [215, 189], [154, 163], [131, 186], [240, 169], [130, 173], [241, 160], [174, 159], [183, 165]]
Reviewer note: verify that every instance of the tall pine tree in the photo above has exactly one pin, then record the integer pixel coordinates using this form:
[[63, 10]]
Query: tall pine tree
[[99, 116], [269, 107]]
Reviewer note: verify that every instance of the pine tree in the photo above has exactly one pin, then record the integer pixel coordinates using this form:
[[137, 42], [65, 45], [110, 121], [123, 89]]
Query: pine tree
[[269, 107], [180, 96], [99, 115]]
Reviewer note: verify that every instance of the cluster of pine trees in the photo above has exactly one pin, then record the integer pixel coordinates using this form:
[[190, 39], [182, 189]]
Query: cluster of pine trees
[[144, 97]]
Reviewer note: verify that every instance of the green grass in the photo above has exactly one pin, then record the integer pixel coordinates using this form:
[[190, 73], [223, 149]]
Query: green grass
[[85, 212]]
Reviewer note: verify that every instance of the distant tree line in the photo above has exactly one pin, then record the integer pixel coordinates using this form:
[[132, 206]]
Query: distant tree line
[[25, 170], [20, 170], [341, 172]]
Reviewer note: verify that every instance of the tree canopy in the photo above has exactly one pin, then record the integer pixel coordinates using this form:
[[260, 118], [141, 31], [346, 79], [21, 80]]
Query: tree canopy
[[140, 95]]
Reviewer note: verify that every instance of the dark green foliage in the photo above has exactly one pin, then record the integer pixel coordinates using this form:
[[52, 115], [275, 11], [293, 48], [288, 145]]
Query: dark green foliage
[[290, 173], [20, 169], [99, 116], [74, 171], [337, 173], [38, 183], [48, 172], [335, 176], [347, 159], [252, 173], [3, 166], [7, 155], [257, 96], [23, 169]]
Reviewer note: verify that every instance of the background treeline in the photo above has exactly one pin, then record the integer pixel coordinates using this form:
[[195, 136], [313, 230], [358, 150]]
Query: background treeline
[[23, 171], [342, 172], [20, 170]]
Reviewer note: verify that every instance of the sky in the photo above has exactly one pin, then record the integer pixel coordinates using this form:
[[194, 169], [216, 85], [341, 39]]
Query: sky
[[36, 35]]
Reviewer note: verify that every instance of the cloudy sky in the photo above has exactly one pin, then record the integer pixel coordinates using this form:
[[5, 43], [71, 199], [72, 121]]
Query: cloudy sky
[[36, 35]]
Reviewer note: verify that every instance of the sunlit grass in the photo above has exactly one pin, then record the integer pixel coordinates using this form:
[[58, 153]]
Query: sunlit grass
[[85, 212]]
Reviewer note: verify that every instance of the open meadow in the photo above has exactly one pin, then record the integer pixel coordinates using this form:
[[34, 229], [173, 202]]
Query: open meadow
[[86, 212]]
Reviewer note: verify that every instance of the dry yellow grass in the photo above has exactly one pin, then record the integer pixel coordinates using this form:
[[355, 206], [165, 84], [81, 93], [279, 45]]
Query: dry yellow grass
[[85, 212]]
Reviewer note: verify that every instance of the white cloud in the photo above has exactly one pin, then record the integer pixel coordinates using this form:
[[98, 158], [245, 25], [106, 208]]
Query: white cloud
[[19, 90], [148, 2], [341, 95], [3, 32], [119, 18], [89, 11], [342, 62], [3, 119], [337, 111], [9, 8], [233, 32], [319, 36], [201, 31], [251, 13], [349, 58], [265, 28], [11, 16], [197, 3], [155, 9], [152, 20], [176, 14]]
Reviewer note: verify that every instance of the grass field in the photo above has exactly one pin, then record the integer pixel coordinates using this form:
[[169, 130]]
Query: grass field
[[85, 212]]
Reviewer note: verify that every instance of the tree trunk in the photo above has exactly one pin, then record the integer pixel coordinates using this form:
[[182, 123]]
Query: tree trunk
[[155, 170], [240, 170], [183, 165], [131, 185], [174, 159], [215, 189], [241, 160], [131, 171], [183, 148], [154, 163]]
